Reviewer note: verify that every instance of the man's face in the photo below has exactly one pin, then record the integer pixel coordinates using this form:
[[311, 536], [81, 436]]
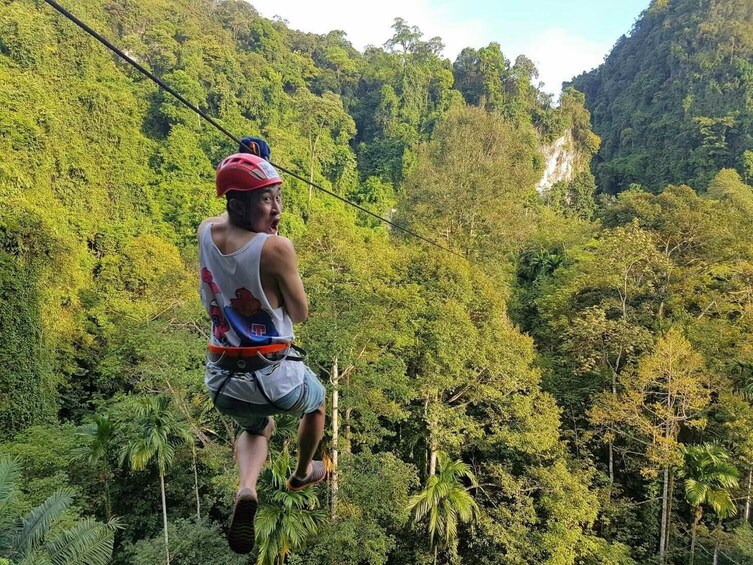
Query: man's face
[[264, 210]]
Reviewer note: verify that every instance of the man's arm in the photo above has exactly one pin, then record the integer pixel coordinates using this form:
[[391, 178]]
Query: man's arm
[[280, 260]]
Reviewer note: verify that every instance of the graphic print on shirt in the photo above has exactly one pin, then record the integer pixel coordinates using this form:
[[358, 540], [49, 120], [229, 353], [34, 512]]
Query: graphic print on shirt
[[206, 276], [252, 324], [220, 327]]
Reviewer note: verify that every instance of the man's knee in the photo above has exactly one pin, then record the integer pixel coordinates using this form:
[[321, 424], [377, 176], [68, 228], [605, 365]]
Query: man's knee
[[319, 410], [267, 431]]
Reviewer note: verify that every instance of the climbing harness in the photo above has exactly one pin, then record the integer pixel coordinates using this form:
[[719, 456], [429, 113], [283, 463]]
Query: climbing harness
[[249, 360]]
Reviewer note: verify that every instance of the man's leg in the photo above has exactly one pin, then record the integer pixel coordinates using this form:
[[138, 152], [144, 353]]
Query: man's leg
[[310, 432], [251, 450]]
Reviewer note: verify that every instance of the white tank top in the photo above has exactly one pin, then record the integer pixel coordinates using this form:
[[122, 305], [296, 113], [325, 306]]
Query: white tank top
[[241, 315]]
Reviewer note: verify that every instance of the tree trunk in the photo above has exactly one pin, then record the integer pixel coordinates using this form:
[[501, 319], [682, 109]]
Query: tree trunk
[[747, 496], [611, 444], [432, 455], [348, 411], [665, 488], [663, 532], [346, 419], [611, 464], [335, 433], [670, 498], [716, 553], [108, 503], [694, 531], [196, 483], [311, 165], [164, 515]]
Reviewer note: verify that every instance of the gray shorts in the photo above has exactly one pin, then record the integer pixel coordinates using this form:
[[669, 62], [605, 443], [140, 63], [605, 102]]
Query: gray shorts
[[253, 418]]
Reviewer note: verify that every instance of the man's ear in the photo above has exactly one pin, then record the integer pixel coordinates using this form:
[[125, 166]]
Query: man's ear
[[235, 207]]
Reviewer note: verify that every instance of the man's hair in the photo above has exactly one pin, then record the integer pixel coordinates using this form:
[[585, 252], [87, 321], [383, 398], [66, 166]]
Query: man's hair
[[246, 197]]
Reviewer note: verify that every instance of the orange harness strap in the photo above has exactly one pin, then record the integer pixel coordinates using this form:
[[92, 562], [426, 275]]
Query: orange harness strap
[[248, 351]]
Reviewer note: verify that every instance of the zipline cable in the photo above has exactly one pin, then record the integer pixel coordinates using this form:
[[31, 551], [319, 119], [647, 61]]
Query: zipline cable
[[219, 126]]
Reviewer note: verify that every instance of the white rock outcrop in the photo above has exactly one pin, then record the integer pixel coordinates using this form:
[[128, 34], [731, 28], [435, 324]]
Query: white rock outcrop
[[560, 162]]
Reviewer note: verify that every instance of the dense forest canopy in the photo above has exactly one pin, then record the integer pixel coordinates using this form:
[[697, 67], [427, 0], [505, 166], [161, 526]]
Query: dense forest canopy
[[574, 386]]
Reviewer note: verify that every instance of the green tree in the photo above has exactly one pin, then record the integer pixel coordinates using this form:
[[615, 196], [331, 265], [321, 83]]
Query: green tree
[[191, 542], [151, 432], [44, 535], [573, 198], [445, 502], [285, 519], [320, 116], [669, 391], [598, 313], [709, 475], [372, 513], [98, 443], [475, 158]]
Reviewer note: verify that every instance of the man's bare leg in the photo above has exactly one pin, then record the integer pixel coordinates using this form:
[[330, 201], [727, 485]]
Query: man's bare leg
[[310, 432], [251, 451]]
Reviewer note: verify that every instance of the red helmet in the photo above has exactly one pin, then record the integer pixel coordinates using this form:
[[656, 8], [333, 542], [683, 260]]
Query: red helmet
[[243, 171]]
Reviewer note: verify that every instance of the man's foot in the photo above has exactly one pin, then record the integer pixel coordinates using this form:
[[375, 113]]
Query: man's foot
[[317, 473], [240, 536]]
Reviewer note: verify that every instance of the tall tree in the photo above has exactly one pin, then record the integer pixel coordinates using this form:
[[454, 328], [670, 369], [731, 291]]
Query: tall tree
[[445, 502], [98, 437], [490, 166], [709, 475], [669, 391], [151, 432]]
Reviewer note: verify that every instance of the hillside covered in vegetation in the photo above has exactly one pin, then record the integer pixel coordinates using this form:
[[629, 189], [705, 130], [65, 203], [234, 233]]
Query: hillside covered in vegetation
[[673, 102]]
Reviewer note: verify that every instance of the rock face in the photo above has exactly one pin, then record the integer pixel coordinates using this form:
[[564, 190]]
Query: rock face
[[561, 158]]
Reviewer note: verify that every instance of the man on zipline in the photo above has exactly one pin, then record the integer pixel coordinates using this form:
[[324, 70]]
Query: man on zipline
[[252, 291]]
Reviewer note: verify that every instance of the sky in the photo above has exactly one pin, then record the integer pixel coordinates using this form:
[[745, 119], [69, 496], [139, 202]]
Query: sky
[[562, 38]]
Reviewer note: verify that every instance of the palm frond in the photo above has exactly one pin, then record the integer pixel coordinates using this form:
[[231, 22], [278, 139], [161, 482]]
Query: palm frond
[[695, 491], [155, 431], [726, 475], [721, 503], [88, 543], [10, 474], [708, 475], [445, 500], [38, 522], [36, 557], [96, 439]]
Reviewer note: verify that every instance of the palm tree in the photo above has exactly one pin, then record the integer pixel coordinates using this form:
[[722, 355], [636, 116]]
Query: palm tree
[[97, 437], [446, 501], [154, 431], [36, 539], [285, 519], [708, 477]]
